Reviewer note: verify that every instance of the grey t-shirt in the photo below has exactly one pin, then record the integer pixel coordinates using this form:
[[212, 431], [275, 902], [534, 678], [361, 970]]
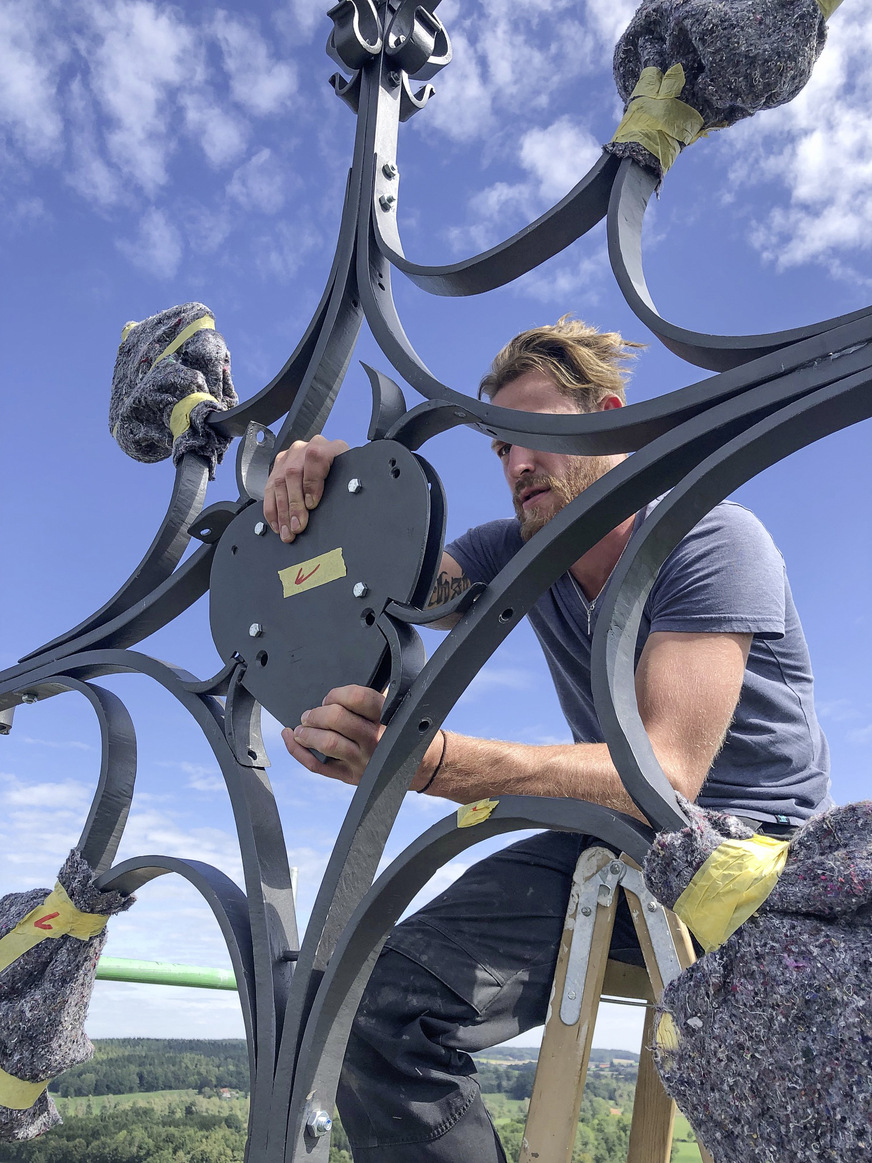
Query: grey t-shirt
[[726, 576]]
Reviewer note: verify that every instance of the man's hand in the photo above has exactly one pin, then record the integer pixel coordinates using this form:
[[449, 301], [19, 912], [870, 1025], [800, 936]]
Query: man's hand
[[296, 484], [345, 728]]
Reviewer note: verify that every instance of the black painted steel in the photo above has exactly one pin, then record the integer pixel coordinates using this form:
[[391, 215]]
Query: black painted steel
[[281, 636]]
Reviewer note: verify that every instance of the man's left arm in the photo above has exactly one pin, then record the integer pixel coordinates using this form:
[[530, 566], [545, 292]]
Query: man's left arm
[[687, 686]]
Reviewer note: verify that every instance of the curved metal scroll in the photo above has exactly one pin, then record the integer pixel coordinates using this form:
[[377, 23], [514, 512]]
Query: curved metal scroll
[[774, 393]]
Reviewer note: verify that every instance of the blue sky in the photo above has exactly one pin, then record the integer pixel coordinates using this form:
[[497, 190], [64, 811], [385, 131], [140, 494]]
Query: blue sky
[[152, 154]]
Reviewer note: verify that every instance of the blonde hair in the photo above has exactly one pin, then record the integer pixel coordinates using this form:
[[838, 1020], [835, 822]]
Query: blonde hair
[[586, 365]]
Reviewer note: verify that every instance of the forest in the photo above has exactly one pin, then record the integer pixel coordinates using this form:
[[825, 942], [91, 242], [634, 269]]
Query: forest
[[148, 1100]]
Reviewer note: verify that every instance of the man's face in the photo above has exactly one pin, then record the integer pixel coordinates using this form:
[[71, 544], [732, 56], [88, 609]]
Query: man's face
[[542, 483]]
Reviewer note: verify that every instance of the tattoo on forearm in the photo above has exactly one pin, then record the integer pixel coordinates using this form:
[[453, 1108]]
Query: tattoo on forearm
[[447, 587]]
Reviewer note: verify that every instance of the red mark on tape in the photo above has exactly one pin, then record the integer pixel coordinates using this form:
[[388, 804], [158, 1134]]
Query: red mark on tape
[[301, 577], [43, 922]]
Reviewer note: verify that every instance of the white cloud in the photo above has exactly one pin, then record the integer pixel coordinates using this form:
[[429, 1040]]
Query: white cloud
[[157, 245], [818, 147], [30, 59], [221, 134], [257, 82], [259, 183], [141, 55]]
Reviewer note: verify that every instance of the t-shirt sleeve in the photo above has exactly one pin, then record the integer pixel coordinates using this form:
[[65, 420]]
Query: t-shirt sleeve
[[483, 551], [725, 577]]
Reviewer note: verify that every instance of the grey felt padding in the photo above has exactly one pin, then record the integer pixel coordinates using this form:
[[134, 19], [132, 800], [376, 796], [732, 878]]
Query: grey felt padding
[[774, 1055], [739, 56], [144, 393], [44, 996]]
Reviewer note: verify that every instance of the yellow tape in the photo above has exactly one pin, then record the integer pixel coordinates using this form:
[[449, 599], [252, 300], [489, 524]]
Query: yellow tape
[[471, 814], [18, 1095], [666, 1035], [56, 917], [205, 322], [828, 7], [180, 417], [656, 119], [730, 887], [128, 327], [317, 571]]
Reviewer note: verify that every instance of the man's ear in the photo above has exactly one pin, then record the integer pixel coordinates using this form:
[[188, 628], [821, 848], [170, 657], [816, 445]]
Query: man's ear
[[609, 402]]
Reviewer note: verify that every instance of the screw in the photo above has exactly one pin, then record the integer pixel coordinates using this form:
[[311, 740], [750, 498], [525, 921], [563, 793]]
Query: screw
[[319, 1123], [255, 630], [652, 906], [390, 170], [616, 867], [354, 485], [386, 201], [585, 912], [28, 698], [260, 528], [360, 589]]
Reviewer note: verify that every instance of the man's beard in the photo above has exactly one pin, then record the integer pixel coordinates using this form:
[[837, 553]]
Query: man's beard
[[580, 474]]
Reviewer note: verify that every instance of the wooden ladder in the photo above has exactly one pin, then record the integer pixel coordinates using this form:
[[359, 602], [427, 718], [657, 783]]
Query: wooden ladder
[[583, 975]]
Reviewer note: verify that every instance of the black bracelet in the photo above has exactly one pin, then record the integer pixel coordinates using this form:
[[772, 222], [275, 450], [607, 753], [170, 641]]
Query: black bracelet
[[436, 769]]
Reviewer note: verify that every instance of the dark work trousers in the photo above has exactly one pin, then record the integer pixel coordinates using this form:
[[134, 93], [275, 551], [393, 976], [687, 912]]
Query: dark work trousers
[[472, 969]]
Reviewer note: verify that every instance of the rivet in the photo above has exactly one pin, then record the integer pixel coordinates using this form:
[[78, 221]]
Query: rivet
[[616, 867], [585, 911], [572, 995], [255, 630], [355, 485], [360, 589], [386, 201], [260, 528]]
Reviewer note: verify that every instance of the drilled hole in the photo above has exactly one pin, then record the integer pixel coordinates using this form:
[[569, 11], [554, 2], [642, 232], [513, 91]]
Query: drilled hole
[[368, 617], [205, 532], [507, 615], [392, 462], [252, 754], [234, 549], [261, 436], [424, 725], [261, 658], [395, 472], [381, 286]]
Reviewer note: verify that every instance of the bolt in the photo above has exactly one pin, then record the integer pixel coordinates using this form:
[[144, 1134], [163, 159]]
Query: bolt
[[585, 911], [28, 698], [255, 630], [616, 867], [360, 589], [394, 78], [652, 906], [386, 201], [260, 528], [390, 170], [398, 40], [354, 485], [319, 1123]]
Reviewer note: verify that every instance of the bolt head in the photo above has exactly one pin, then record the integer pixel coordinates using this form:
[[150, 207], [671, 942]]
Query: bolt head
[[572, 995], [355, 485], [616, 867], [390, 170], [386, 201], [260, 528], [585, 911], [652, 906], [394, 77], [255, 630], [360, 589], [319, 1123], [28, 698]]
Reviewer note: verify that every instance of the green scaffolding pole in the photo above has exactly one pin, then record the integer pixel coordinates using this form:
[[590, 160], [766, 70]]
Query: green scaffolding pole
[[164, 973]]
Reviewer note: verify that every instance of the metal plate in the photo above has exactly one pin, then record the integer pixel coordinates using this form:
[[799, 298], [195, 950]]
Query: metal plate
[[314, 633]]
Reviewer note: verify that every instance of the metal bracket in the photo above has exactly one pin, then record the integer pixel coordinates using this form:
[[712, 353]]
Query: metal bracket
[[598, 890], [654, 916]]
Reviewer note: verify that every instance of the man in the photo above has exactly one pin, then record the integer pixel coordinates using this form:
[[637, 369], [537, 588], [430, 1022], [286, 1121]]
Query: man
[[724, 689]]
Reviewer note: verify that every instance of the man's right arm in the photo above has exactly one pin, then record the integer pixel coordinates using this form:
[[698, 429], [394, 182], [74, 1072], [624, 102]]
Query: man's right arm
[[296, 485]]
